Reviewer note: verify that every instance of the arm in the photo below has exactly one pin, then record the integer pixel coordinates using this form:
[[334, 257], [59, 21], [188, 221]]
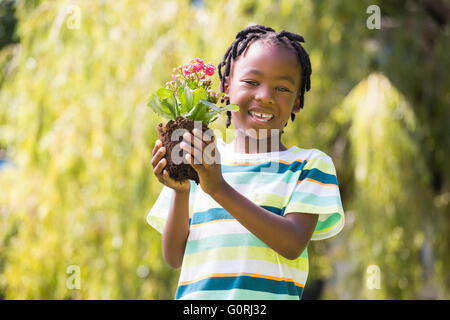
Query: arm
[[288, 235], [176, 230]]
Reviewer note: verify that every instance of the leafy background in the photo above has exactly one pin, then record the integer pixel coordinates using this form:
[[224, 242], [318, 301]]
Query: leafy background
[[76, 138]]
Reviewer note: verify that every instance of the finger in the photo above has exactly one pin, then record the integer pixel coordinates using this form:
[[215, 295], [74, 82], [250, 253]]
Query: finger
[[156, 147], [193, 140], [196, 153], [188, 149], [165, 178], [199, 145], [200, 137], [207, 137], [166, 174], [159, 154], [159, 167], [210, 154], [192, 161]]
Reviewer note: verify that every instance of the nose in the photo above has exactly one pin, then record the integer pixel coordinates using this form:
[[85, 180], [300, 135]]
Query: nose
[[264, 95]]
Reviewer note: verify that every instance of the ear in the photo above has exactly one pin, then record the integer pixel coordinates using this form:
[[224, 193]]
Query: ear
[[296, 106], [226, 84]]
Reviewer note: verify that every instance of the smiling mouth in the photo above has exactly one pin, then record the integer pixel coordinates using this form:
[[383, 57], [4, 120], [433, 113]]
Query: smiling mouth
[[261, 117]]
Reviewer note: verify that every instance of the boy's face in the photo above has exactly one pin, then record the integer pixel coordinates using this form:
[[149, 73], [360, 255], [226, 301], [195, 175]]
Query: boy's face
[[264, 79]]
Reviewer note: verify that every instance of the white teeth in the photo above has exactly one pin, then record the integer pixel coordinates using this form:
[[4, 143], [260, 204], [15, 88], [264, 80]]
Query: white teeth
[[262, 116]]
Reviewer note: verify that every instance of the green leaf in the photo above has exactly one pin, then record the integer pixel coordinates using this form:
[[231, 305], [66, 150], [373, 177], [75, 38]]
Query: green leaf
[[160, 108], [211, 105], [197, 112], [186, 99], [230, 107], [171, 104], [164, 93], [208, 117], [199, 94], [181, 99], [166, 103], [192, 84], [201, 112], [178, 105]]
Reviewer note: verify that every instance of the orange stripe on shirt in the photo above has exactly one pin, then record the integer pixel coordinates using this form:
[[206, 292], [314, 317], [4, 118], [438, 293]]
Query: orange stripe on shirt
[[315, 181], [273, 160], [254, 275]]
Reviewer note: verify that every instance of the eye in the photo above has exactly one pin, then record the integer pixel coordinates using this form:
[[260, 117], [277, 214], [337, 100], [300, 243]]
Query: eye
[[251, 82], [283, 89]]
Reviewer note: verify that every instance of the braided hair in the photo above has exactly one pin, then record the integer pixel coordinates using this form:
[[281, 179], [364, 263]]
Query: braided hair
[[258, 32]]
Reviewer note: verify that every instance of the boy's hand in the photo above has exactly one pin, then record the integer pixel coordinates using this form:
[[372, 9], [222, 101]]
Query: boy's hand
[[158, 163], [204, 157]]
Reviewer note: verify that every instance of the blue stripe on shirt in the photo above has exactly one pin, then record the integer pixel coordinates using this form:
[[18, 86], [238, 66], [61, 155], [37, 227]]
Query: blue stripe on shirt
[[240, 282], [316, 174], [220, 213], [269, 166]]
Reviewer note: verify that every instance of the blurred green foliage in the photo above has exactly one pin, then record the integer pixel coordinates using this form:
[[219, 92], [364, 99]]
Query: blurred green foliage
[[75, 126]]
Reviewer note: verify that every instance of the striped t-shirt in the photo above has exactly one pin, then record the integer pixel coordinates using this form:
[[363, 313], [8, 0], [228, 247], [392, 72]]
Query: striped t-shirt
[[222, 259]]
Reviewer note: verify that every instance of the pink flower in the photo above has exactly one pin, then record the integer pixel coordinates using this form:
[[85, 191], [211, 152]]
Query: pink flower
[[174, 77], [187, 69], [197, 64], [209, 69], [200, 62], [197, 67]]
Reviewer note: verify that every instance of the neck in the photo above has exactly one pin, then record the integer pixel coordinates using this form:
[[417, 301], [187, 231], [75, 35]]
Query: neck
[[244, 143]]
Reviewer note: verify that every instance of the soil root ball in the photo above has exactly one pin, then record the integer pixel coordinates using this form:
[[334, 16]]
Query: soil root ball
[[183, 170]]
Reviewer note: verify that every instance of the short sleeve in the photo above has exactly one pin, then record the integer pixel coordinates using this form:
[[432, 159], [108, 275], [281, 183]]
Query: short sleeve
[[157, 216], [317, 192]]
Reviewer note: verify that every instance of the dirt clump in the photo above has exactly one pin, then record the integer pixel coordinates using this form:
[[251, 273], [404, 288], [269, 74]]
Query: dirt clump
[[183, 170]]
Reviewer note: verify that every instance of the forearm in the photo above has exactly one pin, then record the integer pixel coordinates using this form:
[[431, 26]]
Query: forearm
[[276, 231], [176, 230]]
